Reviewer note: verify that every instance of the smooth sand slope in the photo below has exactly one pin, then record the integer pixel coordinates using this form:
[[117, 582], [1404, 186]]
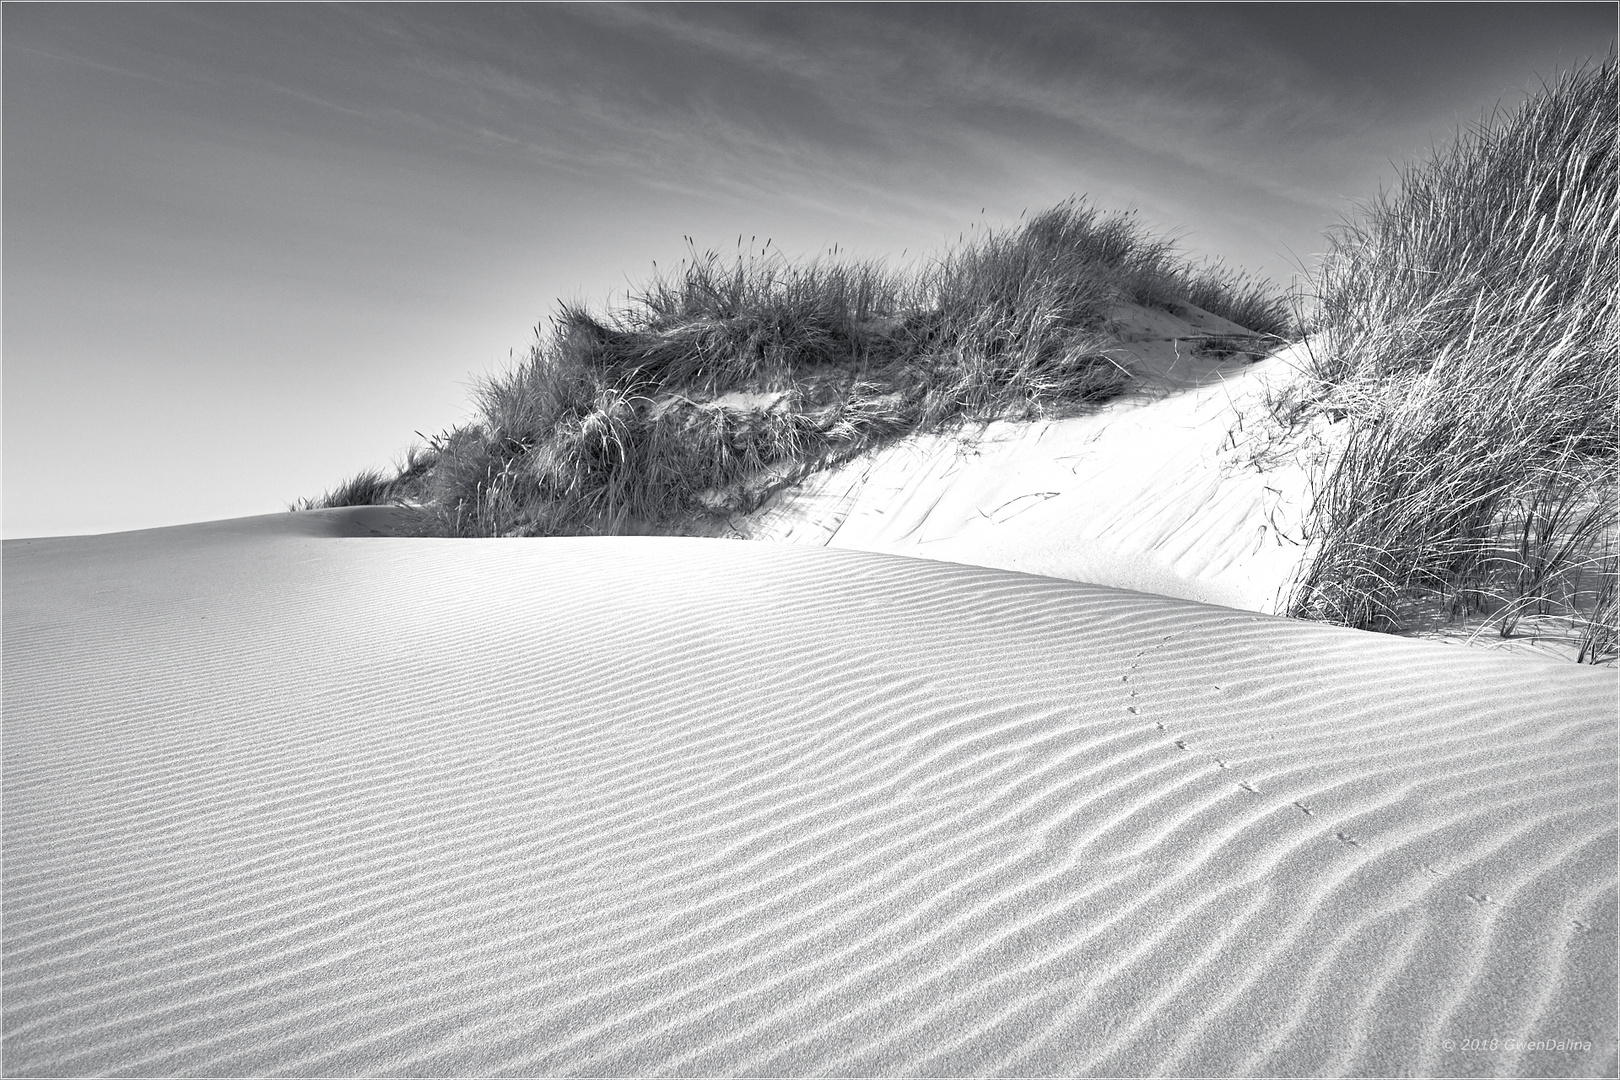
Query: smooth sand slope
[[1182, 487], [284, 803]]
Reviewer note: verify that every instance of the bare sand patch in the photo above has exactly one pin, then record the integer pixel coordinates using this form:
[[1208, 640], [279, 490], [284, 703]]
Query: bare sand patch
[[1181, 487], [280, 803]]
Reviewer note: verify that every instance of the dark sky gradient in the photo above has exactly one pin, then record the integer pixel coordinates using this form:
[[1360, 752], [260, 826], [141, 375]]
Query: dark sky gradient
[[251, 249]]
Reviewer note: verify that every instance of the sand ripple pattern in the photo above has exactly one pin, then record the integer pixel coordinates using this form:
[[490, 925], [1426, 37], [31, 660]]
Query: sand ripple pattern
[[285, 805]]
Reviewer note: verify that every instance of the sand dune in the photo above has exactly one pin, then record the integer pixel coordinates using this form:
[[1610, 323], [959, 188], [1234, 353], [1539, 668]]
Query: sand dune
[[1181, 487], [278, 802]]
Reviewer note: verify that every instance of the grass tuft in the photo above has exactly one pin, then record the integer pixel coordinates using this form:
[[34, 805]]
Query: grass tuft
[[1255, 304], [1468, 333], [372, 487]]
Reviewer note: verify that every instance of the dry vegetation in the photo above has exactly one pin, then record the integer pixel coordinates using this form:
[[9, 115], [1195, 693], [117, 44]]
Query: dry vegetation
[[718, 384], [1467, 330]]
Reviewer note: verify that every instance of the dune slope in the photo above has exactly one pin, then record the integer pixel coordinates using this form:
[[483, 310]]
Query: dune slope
[[1181, 487], [285, 803]]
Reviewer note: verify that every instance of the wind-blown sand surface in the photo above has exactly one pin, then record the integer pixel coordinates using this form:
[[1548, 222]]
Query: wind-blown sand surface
[[1181, 487], [278, 802]]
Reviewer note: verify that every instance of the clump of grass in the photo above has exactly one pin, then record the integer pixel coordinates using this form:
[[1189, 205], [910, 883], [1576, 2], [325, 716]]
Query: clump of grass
[[1469, 336], [1254, 303], [717, 384], [373, 487], [1600, 638]]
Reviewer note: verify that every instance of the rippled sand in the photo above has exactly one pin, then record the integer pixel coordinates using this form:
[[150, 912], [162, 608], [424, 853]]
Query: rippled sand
[[284, 802]]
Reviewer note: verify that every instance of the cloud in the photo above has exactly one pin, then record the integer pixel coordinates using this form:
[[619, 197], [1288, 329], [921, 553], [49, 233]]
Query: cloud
[[861, 87]]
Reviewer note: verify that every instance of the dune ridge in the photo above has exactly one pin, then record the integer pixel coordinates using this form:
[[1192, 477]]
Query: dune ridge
[[282, 803]]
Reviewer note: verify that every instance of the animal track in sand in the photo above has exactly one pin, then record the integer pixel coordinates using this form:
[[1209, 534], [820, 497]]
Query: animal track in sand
[[1222, 763]]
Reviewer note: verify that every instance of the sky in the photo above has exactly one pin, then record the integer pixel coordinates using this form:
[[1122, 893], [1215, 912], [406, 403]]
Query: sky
[[249, 250]]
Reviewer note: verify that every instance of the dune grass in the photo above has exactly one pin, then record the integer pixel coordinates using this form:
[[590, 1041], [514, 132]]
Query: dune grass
[[715, 385], [1463, 344], [1467, 331], [373, 487]]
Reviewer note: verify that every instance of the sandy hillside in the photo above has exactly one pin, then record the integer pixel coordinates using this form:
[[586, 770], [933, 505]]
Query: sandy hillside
[[281, 798], [1178, 488]]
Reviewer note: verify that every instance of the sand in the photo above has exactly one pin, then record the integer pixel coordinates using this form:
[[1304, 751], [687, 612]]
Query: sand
[[284, 798], [1192, 484], [1181, 487]]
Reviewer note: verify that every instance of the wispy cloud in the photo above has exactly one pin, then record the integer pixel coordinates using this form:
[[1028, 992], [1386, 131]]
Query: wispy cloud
[[262, 192]]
